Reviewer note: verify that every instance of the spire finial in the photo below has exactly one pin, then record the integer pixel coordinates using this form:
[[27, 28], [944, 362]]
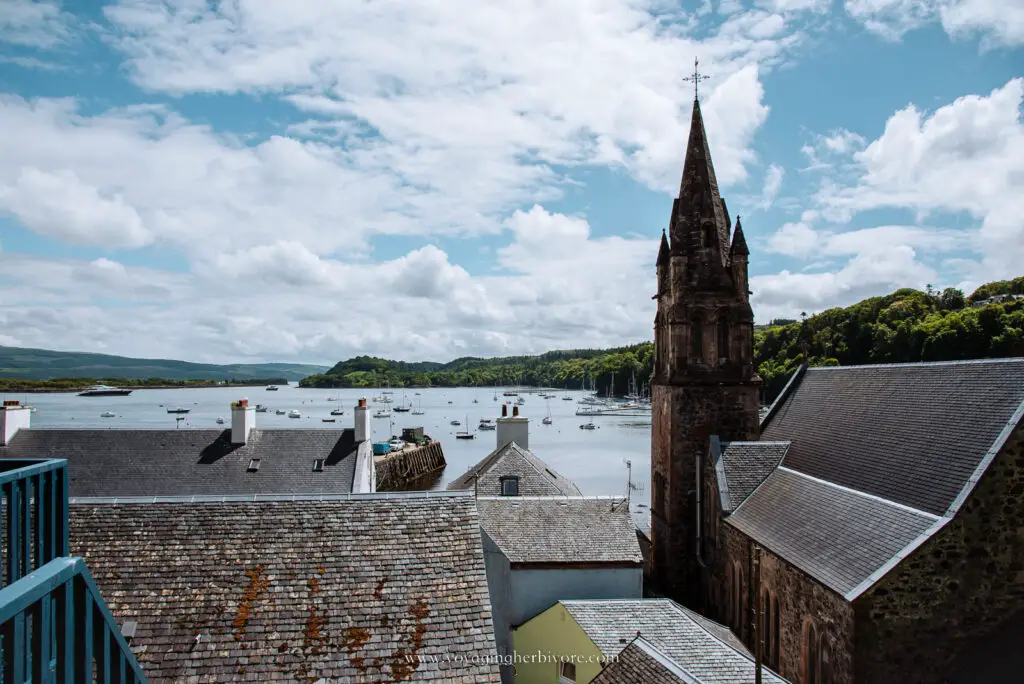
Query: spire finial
[[697, 77]]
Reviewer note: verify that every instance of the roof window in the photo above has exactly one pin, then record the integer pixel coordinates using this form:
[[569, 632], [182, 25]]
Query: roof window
[[510, 485], [254, 465], [318, 465]]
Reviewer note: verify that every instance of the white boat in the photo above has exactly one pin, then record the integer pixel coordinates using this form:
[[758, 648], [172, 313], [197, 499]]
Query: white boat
[[220, 421], [294, 414], [382, 413], [419, 407], [260, 408], [280, 412], [547, 419], [107, 414], [486, 426], [104, 391], [588, 426], [271, 388]]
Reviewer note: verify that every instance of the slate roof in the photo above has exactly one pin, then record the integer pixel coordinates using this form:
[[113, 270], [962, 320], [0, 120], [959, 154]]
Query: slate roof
[[911, 433], [108, 463], [536, 478], [362, 588], [742, 466], [640, 662], [838, 536], [680, 634], [564, 530]]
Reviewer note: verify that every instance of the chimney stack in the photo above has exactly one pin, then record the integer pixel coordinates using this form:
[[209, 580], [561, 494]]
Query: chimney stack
[[362, 421], [243, 419], [13, 417], [514, 428]]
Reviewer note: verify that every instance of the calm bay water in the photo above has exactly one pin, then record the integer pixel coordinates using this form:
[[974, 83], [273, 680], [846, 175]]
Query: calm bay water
[[593, 459]]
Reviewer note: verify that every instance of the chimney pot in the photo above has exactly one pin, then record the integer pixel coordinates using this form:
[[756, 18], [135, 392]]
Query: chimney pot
[[515, 411], [504, 410], [243, 420], [362, 402]]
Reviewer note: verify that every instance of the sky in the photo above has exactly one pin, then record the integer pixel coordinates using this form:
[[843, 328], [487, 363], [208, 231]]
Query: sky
[[308, 180]]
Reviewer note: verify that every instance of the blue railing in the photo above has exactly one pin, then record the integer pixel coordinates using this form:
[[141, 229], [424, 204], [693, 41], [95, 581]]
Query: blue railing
[[54, 624], [35, 510]]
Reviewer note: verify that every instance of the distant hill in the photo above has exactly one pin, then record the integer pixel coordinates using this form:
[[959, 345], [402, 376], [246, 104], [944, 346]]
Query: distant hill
[[905, 326], [43, 364]]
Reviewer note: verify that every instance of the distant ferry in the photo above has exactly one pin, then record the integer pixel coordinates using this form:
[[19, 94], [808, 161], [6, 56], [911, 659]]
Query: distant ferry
[[105, 391]]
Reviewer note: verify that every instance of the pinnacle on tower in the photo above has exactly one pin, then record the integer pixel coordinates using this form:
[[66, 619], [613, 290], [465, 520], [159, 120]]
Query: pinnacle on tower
[[739, 243], [664, 252]]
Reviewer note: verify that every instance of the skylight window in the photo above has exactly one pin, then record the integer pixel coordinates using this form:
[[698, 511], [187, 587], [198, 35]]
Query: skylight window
[[254, 465], [318, 465]]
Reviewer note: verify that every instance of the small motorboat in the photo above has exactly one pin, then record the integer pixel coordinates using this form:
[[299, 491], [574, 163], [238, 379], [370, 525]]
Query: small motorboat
[[547, 420], [294, 414], [382, 413], [588, 426], [486, 426], [260, 408], [328, 420], [107, 414], [271, 388], [220, 421], [455, 423], [337, 412], [280, 412], [178, 410]]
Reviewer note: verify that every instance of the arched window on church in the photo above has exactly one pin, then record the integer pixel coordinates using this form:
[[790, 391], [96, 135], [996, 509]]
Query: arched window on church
[[825, 675], [696, 339], [810, 653], [765, 624], [723, 338], [728, 595], [776, 627]]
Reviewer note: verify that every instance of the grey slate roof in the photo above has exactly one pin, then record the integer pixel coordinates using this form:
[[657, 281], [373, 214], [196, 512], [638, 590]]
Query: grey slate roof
[[536, 478], [107, 463], [838, 536], [742, 466], [680, 634], [640, 662], [910, 433], [564, 530], [361, 589]]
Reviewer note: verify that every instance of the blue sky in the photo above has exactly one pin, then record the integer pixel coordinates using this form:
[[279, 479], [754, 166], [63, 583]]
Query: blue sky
[[261, 180]]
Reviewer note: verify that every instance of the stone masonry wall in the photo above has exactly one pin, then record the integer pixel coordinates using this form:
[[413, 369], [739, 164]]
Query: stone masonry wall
[[409, 464], [800, 598], [683, 418], [960, 585]]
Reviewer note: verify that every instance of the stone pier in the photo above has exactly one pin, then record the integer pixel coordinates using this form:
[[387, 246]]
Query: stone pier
[[399, 468]]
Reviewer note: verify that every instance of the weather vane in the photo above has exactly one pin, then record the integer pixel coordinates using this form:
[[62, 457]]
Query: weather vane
[[696, 78]]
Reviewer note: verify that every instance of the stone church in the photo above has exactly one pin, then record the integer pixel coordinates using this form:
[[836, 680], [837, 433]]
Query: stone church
[[870, 526]]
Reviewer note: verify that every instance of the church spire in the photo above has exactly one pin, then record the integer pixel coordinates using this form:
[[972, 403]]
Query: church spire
[[739, 243], [701, 222]]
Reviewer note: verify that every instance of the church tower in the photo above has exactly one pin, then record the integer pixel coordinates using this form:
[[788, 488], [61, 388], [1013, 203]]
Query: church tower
[[704, 382]]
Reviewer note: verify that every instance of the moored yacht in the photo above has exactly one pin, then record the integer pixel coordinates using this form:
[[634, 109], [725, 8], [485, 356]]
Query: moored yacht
[[104, 391]]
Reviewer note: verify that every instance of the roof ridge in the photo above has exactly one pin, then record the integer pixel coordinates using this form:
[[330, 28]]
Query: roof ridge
[[665, 660], [559, 497], [776, 442], [272, 498], [914, 364], [865, 495]]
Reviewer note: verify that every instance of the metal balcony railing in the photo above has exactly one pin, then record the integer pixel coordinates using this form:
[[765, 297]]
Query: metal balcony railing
[[54, 624]]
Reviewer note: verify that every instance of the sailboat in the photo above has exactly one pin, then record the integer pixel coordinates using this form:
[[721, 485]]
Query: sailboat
[[467, 434], [547, 418], [419, 407], [403, 408]]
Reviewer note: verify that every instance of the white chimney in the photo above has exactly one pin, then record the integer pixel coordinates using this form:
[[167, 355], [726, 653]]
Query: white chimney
[[13, 417], [362, 421], [514, 428], [243, 419]]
